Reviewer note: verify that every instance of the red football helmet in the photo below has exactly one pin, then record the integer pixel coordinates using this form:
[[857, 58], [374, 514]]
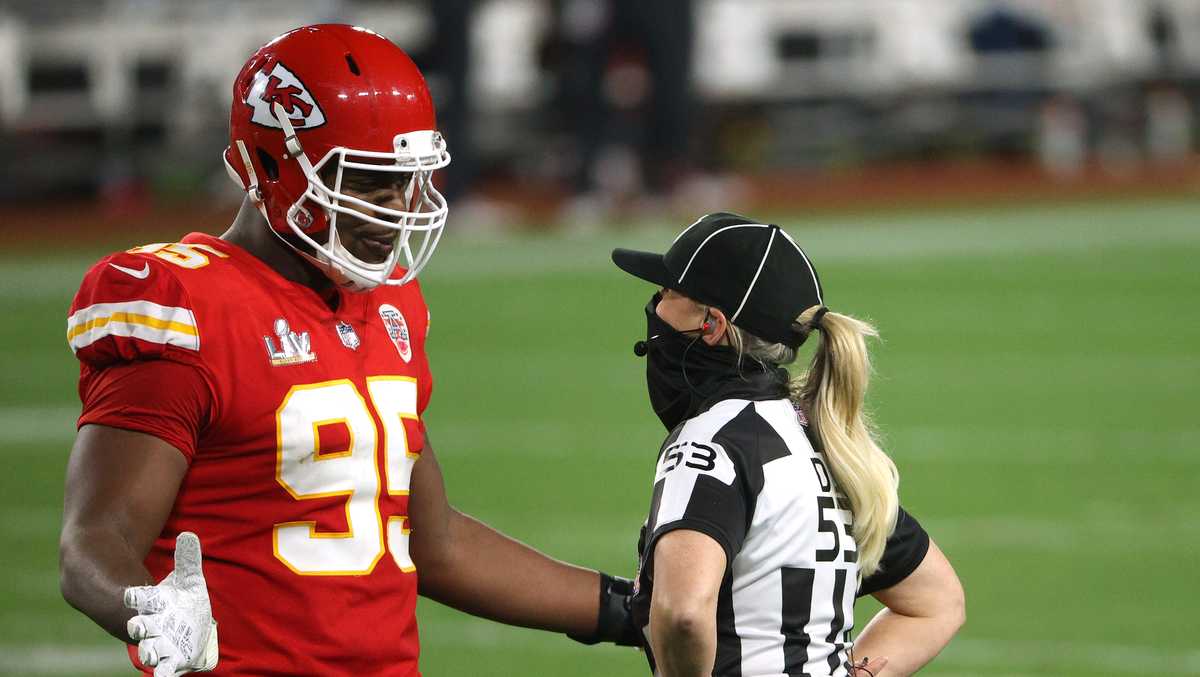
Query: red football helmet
[[340, 94]]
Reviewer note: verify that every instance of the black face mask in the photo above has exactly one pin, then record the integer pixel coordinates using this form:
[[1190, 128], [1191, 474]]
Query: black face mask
[[682, 371], [684, 374]]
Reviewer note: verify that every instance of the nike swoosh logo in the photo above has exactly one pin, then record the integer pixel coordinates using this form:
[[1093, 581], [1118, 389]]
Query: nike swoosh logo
[[139, 274]]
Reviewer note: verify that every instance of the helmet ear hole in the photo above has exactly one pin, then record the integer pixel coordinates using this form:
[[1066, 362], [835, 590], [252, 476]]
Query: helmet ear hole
[[352, 64], [270, 167]]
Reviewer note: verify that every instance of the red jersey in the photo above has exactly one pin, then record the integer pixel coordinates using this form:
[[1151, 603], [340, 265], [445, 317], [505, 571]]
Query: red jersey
[[301, 427]]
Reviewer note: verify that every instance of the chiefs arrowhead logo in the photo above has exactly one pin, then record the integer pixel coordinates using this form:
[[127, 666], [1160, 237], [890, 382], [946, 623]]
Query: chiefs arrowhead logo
[[280, 85]]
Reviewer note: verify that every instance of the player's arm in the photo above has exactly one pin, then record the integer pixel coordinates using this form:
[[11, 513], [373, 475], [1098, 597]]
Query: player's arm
[[145, 397], [922, 613], [120, 487], [466, 564], [688, 569]]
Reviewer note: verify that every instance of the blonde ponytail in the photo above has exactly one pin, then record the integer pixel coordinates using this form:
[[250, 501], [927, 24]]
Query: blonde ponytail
[[831, 393]]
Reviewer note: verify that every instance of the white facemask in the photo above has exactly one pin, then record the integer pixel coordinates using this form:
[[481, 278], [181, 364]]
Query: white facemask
[[418, 226]]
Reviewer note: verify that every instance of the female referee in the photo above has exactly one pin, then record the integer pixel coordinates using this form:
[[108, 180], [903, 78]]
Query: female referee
[[773, 505]]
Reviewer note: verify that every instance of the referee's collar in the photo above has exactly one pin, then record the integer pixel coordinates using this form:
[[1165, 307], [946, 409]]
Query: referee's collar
[[754, 384]]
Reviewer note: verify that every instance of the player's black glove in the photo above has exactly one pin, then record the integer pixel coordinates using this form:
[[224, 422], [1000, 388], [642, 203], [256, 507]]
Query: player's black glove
[[615, 621]]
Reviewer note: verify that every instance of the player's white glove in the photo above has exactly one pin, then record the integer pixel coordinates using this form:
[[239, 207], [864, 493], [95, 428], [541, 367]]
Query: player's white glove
[[174, 628]]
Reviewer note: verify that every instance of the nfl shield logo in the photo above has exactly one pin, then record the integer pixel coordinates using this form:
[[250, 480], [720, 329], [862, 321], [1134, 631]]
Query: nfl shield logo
[[397, 329], [347, 335]]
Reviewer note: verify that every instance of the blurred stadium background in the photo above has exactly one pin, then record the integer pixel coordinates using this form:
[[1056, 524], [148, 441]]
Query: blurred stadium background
[[1008, 188]]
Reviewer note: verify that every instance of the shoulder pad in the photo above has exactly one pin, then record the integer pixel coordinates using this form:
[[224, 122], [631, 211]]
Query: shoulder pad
[[131, 306]]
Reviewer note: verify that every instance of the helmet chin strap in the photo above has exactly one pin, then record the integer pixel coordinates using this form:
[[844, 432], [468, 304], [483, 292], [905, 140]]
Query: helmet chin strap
[[330, 271], [382, 269]]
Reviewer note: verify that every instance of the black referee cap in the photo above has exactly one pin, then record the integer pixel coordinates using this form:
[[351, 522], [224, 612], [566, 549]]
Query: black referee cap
[[754, 272]]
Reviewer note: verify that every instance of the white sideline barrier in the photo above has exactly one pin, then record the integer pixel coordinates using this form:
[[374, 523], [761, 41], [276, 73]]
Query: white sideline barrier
[[868, 47]]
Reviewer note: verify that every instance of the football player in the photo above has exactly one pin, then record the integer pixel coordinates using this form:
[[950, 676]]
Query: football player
[[259, 395]]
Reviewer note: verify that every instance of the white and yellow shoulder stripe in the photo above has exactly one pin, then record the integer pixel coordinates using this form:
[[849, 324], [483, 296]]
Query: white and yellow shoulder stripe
[[169, 325]]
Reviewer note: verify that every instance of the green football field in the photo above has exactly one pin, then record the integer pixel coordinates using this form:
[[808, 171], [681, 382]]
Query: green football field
[[1037, 382]]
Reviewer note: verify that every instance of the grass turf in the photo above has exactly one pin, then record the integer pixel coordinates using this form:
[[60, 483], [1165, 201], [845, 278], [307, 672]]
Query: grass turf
[[1037, 385]]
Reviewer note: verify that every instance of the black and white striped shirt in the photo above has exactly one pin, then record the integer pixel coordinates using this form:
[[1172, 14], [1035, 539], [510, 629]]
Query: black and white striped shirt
[[745, 473]]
